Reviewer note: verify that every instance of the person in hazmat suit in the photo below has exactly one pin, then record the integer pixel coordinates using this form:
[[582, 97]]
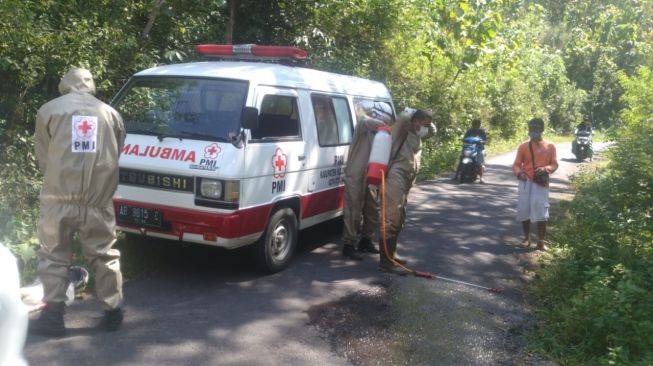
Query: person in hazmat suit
[[407, 133], [361, 209], [78, 139]]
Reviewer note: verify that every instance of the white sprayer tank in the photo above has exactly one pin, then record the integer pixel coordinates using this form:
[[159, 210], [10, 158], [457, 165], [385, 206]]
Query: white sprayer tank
[[380, 155]]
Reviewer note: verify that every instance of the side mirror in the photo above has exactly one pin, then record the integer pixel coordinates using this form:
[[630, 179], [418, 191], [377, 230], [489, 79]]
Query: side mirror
[[249, 118]]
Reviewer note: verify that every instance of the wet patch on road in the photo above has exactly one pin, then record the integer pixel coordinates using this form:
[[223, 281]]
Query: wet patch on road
[[360, 326]]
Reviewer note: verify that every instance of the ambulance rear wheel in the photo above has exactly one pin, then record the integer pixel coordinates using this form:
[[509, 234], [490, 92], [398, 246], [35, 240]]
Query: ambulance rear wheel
[[276, 246]]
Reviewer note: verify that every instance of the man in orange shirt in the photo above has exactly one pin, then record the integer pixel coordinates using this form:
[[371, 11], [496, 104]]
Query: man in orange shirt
[[536, 160]]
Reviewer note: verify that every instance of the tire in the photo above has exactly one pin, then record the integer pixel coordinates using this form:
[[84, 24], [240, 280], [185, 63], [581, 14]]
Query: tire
[[275, 248], [468, 173]]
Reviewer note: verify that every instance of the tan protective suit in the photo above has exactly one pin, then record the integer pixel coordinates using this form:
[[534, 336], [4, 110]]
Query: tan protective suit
[[360, 199], [402, 172], [78, 139]]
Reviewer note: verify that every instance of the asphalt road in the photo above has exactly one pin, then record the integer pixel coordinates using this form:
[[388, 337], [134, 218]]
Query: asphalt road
[[211, 307]]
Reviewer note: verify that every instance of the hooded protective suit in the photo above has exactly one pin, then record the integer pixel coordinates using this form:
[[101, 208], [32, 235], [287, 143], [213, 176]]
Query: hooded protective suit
[[402, 172], [78, 139], [360, 200]]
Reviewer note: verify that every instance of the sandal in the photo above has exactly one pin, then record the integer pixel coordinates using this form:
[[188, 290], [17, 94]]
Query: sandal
[[525, 244]]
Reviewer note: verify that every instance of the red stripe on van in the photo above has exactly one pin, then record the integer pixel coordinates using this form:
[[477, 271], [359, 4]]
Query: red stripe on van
[[237, 224], [323, 201]]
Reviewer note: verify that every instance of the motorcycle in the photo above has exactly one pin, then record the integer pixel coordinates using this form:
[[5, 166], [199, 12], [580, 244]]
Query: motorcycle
[[470, 165], [581, 147]]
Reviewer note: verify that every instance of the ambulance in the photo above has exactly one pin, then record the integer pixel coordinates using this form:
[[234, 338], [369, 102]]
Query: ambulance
[[244, 149]]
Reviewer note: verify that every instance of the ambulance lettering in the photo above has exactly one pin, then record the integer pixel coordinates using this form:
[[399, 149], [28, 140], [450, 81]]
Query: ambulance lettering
[[278, 186], [209, 161], [84, 134], [279, 165], [158, 152], [332, 176]]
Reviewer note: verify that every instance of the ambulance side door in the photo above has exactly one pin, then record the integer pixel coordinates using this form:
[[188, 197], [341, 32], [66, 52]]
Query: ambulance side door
[[333, 128], [275, 155]]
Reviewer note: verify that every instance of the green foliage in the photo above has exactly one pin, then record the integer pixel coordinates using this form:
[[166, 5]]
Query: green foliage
[[39, 41], [595, 291], [601, 38], [501, 61], [19, 187]]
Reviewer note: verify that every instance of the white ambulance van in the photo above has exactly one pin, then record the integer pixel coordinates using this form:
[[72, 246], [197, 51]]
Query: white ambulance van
[[234, 153]]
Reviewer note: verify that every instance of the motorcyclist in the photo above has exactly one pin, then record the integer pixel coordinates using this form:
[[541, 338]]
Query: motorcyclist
[[476, 131], [584, 129]]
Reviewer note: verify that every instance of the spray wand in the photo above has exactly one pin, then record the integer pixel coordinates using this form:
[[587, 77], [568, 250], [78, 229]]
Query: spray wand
[[429, 275]]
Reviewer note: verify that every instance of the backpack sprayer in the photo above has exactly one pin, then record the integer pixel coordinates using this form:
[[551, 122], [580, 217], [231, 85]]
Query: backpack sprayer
[[376, 168]]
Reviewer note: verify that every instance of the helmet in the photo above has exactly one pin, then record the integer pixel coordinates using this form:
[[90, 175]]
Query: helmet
[[78, 276], [381, 111], [409, 111]]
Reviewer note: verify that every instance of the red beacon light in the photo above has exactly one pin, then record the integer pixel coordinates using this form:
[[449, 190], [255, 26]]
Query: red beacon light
[[251, 51]]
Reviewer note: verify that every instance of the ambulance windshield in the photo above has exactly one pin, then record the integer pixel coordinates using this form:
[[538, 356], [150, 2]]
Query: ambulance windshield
[[206, 109]]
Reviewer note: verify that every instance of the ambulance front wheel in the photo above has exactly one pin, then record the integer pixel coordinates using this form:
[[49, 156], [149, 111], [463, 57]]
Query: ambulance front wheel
[[276, 246]]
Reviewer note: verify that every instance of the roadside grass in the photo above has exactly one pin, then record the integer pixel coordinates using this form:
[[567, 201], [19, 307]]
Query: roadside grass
[[593, 288]]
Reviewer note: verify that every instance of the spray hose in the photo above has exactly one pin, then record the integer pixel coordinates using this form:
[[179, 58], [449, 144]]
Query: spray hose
[[422, 274]]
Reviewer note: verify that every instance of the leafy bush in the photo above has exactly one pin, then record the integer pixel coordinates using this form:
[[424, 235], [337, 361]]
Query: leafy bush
[[596, 290], [19, 187]]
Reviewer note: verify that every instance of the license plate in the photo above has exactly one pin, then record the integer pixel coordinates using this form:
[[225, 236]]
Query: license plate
[[140, 216]]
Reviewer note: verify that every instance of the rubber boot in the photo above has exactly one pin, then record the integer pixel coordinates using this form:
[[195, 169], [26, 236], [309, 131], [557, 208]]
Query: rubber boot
[[385, 264], [365, 245], [51, 322], [349, 251], [112, 320]]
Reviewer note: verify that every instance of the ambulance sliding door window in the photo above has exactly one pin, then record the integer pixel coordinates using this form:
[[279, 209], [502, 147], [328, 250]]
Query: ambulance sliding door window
[[278, 119], [332, 119]]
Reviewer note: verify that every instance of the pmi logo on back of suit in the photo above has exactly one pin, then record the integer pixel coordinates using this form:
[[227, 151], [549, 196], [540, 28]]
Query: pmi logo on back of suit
[[84, 134]]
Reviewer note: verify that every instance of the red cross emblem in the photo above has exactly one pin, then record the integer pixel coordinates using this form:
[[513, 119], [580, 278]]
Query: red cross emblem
[[212, 151], [279, 163], [84, 128]]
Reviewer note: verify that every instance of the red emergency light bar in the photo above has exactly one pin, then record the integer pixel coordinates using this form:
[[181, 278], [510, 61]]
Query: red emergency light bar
[[251, 51]]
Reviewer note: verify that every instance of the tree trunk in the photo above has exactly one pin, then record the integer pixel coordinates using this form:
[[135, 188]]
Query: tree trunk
[[150, 22], [230, 23]]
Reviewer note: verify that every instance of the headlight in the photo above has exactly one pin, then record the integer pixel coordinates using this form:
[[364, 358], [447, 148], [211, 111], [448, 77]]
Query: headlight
[[219, 190], [210, 188]]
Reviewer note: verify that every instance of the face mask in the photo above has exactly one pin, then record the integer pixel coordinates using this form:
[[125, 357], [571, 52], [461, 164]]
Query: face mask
[[534, 135], [423, 131]]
